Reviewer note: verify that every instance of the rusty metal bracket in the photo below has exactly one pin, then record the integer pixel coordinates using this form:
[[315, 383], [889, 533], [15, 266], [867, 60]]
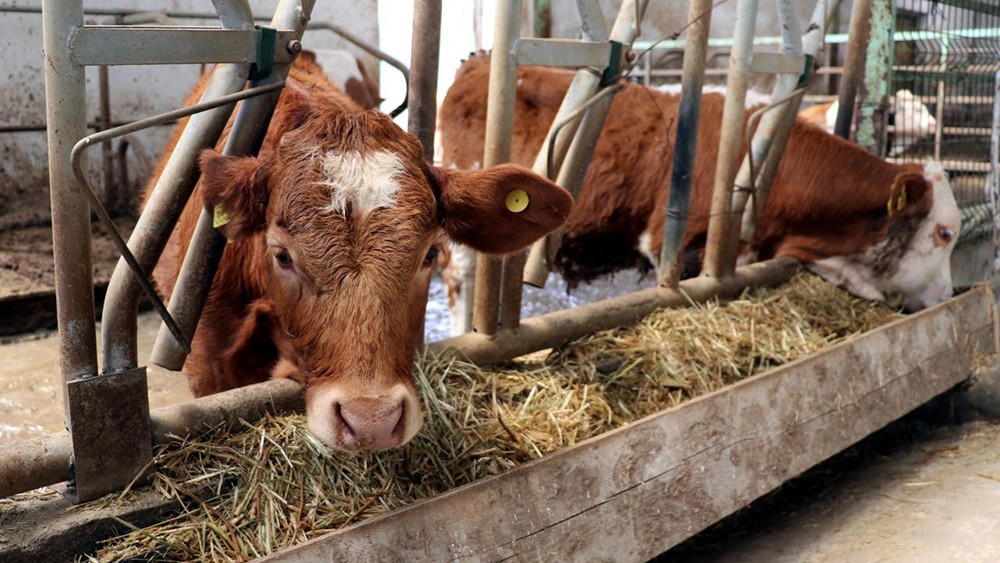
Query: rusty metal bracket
[[113, 443]]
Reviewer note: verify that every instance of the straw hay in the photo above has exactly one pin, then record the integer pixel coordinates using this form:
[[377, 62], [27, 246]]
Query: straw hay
[[247, 494]]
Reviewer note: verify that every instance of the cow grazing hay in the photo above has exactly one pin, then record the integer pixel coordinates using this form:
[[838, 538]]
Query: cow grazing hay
[[249, 493]]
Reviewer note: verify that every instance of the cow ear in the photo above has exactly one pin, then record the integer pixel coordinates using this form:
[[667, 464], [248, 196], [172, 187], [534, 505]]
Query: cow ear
[[500, 209], [909, 191], [235, 191]]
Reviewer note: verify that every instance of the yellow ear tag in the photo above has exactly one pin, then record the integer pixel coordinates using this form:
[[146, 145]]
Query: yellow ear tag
[[901, 202], [517, 201], [219, 216]]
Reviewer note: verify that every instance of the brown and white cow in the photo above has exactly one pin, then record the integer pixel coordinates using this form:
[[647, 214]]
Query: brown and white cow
[[334, 228], [829, 205]]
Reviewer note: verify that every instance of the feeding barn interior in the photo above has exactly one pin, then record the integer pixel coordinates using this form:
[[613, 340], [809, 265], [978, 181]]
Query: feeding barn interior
[[501, 279]]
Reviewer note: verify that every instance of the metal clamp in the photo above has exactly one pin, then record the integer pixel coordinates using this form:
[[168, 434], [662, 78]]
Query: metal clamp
[[267, 37], [614, 68]]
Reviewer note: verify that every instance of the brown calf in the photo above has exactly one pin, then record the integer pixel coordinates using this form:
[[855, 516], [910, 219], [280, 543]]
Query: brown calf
[[334, 227]]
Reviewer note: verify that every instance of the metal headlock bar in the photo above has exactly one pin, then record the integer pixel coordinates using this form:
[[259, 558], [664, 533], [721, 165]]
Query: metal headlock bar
[[499, 281], [108, 414], [734, 186], [84, 184]]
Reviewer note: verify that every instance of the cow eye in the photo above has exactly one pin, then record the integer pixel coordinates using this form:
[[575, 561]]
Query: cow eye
[[432, 253], [283, 258], [945, 234]]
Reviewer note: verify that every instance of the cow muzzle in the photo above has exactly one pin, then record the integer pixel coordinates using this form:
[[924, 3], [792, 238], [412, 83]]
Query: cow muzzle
[[349, 421]]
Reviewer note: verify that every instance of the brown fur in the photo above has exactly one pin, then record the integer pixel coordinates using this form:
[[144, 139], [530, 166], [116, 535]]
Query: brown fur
[[828, 198], [348, 309]]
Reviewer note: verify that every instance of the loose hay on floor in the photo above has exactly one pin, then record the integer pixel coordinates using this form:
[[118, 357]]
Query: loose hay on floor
[[250, 493]]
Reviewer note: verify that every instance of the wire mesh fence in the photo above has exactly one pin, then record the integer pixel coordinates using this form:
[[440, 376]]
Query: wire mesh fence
[[946, 61]]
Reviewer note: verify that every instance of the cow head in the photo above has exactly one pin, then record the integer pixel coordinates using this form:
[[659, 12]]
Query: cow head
[[345, 218], [909, 266]]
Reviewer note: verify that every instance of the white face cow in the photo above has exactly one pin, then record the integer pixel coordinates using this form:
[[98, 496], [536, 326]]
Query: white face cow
[[921, 277]]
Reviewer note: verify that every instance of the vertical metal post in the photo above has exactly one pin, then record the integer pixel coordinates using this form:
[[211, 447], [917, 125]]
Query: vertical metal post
[[624, 31], [854, 63], [65, 110], [499, 127], [939, 110], [874, 94], [994, 187], [541, 18], [422, 93], [717, 264], [167, 201], [769, 140], [583, 86], [194, 281], [686, 140], [111, 434], [111, 199]]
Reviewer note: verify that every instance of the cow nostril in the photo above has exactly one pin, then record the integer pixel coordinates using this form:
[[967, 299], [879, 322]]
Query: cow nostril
[[397, 430], [341, 422]]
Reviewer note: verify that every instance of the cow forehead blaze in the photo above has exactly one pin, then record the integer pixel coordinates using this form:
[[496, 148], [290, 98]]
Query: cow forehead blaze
[[360, 182]]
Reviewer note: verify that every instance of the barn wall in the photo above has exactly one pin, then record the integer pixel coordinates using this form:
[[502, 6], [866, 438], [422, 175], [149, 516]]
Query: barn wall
[[136, 92]]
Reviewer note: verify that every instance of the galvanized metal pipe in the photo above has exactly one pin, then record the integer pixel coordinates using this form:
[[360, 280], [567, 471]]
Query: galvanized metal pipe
[[874, 94], [718, 263], [155, 225], [555, 329], [107, 151], [65, 110], [624, 31], [422, 88], [854, 63], [767, 135], [768, 143], [994, 188], [29, 464], [194, 280], [499, 129], [685, 141]]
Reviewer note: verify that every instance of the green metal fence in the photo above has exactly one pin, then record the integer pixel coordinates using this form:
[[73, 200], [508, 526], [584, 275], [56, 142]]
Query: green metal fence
[[947, 55]]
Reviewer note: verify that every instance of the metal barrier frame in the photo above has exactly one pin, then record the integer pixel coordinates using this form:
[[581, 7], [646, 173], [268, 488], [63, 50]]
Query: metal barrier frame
[[112, 440]]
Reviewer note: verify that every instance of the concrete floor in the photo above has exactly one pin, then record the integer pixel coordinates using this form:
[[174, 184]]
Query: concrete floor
[[31, 392]]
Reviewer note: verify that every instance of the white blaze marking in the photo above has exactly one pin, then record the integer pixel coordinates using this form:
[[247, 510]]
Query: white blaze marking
[[365, 182]]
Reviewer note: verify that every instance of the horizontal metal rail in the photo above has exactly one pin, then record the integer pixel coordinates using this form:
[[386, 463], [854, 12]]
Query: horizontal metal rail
[[161, 45], [563, 52]]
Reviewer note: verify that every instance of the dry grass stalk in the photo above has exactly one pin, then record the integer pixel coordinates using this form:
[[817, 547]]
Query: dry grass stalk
[[247, 494]]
